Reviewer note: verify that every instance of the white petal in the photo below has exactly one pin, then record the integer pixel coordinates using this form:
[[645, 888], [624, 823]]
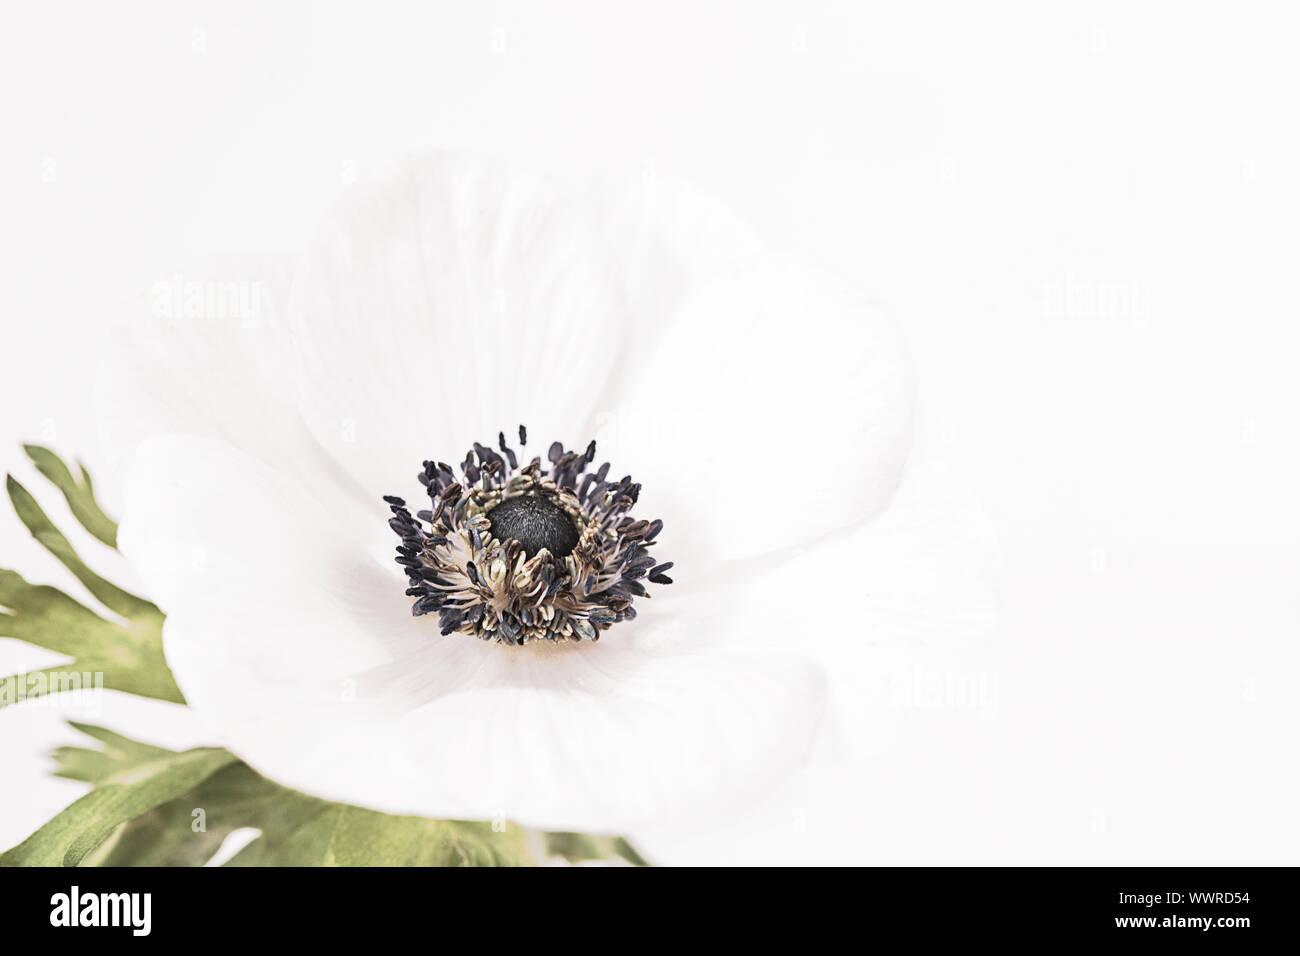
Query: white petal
[[201, 356], [297, 645], [453, 301], [197, 356], [777, 407], [885, 608], [434, 310], [890, 611], [926, 594], [671, 239], [839, 814]]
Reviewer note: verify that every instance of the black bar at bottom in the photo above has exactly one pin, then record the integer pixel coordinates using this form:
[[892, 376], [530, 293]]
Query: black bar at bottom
[[582, 906]]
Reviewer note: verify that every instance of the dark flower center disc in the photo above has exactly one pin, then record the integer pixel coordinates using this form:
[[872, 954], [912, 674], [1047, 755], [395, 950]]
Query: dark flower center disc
[[536, 523]]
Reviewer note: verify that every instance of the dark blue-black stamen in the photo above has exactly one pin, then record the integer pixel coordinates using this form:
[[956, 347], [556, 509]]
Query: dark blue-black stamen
[[460, 554]]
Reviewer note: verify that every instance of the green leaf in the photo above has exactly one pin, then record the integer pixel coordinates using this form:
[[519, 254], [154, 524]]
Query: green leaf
[[81, 828], [124, 653], [367, 838], [579, 848], [80, 495], [126, 657], [44, 531], [294, 829], [115, 757], [155, 807], [189, 830], [298, 830]]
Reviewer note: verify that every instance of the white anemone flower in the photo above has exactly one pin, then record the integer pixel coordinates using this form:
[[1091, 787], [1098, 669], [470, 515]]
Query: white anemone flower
[[514, 666]]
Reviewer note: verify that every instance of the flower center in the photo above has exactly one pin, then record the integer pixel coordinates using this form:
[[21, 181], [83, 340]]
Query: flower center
[[517, 554], [536, 523]]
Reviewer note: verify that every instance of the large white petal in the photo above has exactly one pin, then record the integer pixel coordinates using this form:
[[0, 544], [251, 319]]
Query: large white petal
[[890, 610], [434, 309], [777, 408], [887, 608], [196, 354], [444, 304], [292, 638], [670, 238]]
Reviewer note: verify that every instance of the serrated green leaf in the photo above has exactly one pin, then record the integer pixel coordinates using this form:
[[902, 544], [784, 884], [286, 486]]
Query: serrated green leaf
[[574, 847], [294, 829], [189, 830], [80, 495], [367, 838], [44, 531], [580, 848], [121, 655], [299, 836], [115, 757], [46, 617], [76, 832], [304, 831], [624, 850], [151, 806], [126, 657]]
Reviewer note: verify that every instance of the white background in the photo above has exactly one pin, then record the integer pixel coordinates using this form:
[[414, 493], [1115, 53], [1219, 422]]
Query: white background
[[1086, 220]]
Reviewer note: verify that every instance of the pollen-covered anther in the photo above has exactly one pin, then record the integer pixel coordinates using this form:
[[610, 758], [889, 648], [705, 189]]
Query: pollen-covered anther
[[518, 554]]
